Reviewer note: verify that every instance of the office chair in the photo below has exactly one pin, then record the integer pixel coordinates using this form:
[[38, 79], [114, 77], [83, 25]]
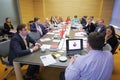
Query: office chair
[[117, 49], [107, 47], [4, 51], [1, 31], [34, 35]]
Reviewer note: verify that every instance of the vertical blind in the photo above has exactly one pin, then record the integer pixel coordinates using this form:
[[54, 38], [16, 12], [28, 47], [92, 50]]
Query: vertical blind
[[115, 19]]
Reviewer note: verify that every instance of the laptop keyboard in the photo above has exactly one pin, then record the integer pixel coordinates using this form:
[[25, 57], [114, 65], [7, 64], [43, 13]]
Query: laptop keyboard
[[72, 53]]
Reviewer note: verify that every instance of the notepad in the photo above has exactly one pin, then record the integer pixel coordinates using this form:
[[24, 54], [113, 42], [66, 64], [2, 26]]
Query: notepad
[[47, 60]]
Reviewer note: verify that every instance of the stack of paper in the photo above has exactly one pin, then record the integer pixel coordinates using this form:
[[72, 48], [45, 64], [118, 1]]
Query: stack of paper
[[47, 60], [45, 39]]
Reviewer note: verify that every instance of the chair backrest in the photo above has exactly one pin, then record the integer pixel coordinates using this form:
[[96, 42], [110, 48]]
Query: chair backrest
[[34, 35], [118, 41], [117, 49], [1, 31], [107, 47], [4, 48]]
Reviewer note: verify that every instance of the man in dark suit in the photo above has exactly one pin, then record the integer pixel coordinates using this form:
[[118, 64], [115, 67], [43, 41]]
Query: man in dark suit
[[101, 27], [19, 46], [36, 26]]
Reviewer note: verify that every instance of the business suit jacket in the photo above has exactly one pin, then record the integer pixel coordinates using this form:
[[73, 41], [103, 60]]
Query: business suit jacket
[[34, 29], [7, 28], [90, 28], [113, 43], [18, 47], [83, 21], [103, 29]]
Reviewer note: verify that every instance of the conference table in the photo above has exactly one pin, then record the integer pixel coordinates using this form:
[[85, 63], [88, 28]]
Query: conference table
[[34, 58]]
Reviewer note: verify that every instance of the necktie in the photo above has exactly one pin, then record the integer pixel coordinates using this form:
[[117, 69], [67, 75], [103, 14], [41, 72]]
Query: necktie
[[39, 28], [99, 29], [25, 43]]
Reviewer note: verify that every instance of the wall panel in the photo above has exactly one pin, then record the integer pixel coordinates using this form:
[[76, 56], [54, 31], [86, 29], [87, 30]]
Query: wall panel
[[72, 7], [107, 8], [26, 10], [64, 8]]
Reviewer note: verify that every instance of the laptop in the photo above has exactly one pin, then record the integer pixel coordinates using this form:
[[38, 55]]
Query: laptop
[[74, 46]]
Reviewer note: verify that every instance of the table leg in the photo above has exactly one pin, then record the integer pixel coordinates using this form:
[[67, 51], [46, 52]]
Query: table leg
[[18, 71]]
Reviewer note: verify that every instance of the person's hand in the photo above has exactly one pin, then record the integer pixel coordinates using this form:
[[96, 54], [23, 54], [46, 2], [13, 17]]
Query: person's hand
[[35, 48], [37, 44], [106, 37], [72, 59], [46, 28]]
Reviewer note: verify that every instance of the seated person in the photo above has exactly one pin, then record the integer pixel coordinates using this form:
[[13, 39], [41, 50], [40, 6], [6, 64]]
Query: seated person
[[8, 26], [110, 38], [101, 27], [36, 26], [56, 19], [19, 46], [92, 17], [60, 20], [75, 20], [68, 20], [96, 23], [96, 65], [90, 26], [83, 20], [46, 24], [53, 20]]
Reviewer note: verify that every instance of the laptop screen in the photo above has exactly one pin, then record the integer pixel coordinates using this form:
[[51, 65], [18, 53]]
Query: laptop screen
[[74, 44]]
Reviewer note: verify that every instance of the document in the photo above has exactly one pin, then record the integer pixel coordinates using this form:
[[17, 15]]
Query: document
[[51, 33], [80, 34], [47, 60], [84, 44], [45, 39], [57, 41], [45, 46], [56, 31], [62, 44]]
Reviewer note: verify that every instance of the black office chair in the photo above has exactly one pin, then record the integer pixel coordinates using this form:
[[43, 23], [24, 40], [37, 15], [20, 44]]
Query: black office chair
[[1, 31], [34, 35], [4, 51]]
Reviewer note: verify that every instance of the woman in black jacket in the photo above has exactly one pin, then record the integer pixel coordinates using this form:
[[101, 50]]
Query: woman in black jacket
[[110, 38]]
